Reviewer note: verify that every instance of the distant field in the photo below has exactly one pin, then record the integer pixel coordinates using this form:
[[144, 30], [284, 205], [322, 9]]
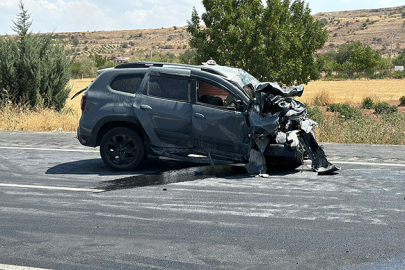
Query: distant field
[[354, 91]]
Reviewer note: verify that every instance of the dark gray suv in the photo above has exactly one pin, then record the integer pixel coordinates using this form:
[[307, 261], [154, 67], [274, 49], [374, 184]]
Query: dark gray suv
[[209, 114]]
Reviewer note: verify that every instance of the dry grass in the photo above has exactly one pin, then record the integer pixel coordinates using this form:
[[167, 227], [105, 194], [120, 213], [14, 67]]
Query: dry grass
[[321, 93], [369, 129], [21, 118]]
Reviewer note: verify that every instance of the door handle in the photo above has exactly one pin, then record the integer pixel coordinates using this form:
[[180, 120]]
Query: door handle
[[199, 116], [146, 107]]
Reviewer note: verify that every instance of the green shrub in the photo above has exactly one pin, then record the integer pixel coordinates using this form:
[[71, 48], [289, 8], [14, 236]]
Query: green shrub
[[376, 76], [384, 107], [345, 110], [367, 103], [34, 69], [398, 75], [402, 101], [315, 114]]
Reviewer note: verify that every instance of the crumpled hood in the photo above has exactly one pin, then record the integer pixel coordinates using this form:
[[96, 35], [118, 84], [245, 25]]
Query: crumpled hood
[[275, 89], [274, 107]]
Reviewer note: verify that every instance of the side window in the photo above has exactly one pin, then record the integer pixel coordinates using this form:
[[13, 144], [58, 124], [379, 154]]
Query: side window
[[127, 83], [213, 95], [169, 87]]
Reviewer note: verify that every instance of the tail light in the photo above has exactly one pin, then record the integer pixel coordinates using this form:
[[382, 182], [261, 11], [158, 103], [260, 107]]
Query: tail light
[[83, 102]]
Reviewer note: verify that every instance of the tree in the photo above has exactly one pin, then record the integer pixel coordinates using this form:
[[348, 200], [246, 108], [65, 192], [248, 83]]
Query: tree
[[274, 42], [357, 57], [400, 59], [33, 68], [187, 57], [88, 67]]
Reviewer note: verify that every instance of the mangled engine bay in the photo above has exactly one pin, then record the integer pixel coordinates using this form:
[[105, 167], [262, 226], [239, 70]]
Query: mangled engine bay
[[276, 117]]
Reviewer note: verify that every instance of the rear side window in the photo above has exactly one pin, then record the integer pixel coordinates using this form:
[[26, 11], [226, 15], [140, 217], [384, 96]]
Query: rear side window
[[169, 87], [127, 83]]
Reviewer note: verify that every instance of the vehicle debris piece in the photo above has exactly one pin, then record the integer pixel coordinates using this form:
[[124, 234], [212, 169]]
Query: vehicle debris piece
[[257, 163]]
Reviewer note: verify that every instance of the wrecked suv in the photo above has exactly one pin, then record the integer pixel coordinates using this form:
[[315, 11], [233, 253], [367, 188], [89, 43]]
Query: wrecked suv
[[208, 114]]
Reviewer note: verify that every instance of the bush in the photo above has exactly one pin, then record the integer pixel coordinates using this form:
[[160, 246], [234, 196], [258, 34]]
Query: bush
[[315, 114], [376, 76], [398, 75], [402, 101], [367, 103], [384, 108], [345, 110], [322, 98], [358, 76]]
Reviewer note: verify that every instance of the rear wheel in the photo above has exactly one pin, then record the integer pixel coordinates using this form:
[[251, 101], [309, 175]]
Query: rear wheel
[[122, 149], [282, 157]]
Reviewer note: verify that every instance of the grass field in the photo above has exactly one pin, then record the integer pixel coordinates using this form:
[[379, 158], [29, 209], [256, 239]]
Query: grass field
[[370, 129], [353, 91]]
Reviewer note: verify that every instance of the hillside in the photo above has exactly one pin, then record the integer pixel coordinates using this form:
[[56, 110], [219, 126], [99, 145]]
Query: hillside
[[129, 43], [371, 27]]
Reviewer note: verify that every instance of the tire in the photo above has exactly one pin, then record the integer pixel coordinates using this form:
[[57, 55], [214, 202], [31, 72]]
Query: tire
[[122, 149], [282, 157]]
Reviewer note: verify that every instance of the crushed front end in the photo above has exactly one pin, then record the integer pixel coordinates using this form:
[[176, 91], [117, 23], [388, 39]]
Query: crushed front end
[[275, 117]]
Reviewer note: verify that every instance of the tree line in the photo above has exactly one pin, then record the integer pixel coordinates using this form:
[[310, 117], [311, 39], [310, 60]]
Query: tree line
[[356, 60]]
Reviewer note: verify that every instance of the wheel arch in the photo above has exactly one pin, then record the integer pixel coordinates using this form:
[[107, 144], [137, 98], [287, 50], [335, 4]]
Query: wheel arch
[[110, 122]]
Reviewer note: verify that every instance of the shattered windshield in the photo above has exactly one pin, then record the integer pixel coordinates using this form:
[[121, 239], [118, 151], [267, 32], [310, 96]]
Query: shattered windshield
[[243, 78], [237, 75]]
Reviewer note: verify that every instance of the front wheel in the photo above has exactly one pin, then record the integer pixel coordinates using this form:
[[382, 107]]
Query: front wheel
[[122, 149], [282, 157]]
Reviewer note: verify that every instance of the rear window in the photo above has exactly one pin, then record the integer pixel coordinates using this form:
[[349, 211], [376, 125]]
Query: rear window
[[169, 87], [127, 83]]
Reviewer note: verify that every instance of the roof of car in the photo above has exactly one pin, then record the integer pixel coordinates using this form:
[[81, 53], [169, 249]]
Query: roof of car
[[225, 71]]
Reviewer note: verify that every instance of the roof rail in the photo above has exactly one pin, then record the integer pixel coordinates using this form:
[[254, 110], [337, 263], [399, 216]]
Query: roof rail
[[205, 68], [139, 65]]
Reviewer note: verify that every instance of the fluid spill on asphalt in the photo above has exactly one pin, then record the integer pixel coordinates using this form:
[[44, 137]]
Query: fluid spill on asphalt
[[172, 176]]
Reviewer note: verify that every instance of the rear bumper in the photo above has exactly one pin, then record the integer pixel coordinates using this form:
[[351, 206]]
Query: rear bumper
[[86, 140]]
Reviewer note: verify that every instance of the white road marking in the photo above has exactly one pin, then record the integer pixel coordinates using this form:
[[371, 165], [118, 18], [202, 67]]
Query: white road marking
[[16, 267], [369, 163], [53, 188], [49, 149]]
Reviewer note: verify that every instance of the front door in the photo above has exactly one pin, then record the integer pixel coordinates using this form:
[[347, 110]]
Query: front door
[[218, 126]]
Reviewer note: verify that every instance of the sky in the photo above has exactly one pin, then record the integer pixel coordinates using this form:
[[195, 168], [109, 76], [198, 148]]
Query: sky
[[98, 15]]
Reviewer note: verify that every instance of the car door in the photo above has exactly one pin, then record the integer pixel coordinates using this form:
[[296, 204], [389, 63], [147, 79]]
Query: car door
[[219, 127], [163, 107]]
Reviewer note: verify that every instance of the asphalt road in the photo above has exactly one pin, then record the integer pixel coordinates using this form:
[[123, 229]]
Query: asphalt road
[[62, 208]]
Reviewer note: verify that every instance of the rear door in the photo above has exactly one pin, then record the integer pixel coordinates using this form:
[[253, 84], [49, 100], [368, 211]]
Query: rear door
[[163, 107]]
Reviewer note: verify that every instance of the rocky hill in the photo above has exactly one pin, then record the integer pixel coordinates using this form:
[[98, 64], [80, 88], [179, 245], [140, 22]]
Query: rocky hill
[[374, 27]]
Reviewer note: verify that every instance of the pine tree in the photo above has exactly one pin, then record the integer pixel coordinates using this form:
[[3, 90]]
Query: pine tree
[[33, 68]]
